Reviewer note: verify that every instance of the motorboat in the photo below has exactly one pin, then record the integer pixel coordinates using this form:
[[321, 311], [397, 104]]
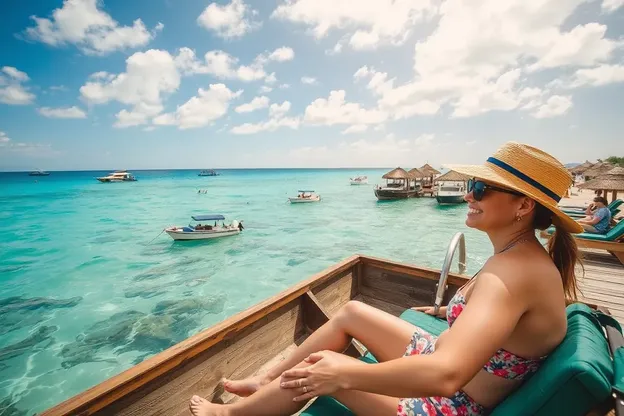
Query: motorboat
[[208, 172], [38, 172], [359, 180], [451, 192], [305, 197], [118, 176], [198, 231]]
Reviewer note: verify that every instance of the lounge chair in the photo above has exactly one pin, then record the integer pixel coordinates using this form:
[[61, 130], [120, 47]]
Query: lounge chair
[[580, 375], [581, 210], [579, 215], [612, 241]]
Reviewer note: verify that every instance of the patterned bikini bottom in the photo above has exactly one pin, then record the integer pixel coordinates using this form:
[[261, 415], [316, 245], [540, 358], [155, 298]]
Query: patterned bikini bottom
[[459, 405]]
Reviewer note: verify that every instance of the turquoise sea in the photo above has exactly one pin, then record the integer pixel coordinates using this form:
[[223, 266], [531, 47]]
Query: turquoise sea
[[85, 293]]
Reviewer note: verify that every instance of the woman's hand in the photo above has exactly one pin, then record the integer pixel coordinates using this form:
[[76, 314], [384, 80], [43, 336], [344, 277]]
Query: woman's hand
[[321, 378], [429, 310]]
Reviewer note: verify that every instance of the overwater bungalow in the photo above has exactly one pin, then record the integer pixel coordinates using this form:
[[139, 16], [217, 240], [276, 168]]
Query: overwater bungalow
[[400, 184]]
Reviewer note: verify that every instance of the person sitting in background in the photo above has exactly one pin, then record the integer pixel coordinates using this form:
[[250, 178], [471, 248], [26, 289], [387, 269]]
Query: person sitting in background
[[598, 220]]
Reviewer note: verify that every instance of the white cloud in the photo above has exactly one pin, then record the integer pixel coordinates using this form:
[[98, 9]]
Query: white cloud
[[149, 76], [278, 110], [63, 112], [276, 120], [81, 23], [270, 79], [370, 24], [201, 110], [609, 6], [4, 138], [473, 66], [15, 73], [598, 76], [424, 140], [224, 66], [555, 106], [282, 54], [335, 110], [265, 89], [12, 91], [335, 50], [26, 149], [356, 128], [231, 20], [256, 104], [284, 86], [309, 80]]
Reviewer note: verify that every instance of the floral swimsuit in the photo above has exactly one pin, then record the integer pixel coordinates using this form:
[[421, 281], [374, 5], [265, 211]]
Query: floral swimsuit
[[503, 364]]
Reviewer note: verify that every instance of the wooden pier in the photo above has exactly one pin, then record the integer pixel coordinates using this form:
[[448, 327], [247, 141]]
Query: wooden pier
[[603, 282]]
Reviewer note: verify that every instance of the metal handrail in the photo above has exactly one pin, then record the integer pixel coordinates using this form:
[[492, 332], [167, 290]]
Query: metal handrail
[[457, 241]]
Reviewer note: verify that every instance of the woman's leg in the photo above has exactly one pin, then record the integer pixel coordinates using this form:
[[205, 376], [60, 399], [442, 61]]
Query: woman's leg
[[385, 335], [272, 400]]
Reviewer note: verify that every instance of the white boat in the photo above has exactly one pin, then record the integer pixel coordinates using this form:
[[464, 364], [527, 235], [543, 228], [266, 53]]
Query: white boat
[[198, 231], [451, 192], [359, 180], [305, 197], [118, 176]]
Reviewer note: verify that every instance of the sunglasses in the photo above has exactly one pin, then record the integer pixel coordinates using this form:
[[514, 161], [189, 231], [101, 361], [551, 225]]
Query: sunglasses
[[478, 189]]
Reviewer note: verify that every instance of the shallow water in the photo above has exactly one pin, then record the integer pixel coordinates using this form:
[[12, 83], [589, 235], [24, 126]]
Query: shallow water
[[84, 295]]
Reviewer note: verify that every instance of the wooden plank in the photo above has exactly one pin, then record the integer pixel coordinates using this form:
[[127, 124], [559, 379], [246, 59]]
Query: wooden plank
[[314, 314], [335, 292], [405, 290], [148, 371], [414, 271]]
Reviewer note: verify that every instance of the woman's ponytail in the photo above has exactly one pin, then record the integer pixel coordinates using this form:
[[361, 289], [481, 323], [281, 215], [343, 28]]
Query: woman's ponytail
[[563, 251]]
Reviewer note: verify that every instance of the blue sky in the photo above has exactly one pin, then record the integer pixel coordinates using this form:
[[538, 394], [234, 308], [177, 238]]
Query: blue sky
[[85, 84]]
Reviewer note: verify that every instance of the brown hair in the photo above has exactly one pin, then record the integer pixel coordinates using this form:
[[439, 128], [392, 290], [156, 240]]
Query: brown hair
[[601, 199], [562, 250]]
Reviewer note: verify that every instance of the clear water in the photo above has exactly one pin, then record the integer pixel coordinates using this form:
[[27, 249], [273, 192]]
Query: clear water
[[85, 293]]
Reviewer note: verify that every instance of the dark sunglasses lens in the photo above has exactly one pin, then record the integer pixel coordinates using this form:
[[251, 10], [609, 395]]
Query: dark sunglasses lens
[[478, 189]]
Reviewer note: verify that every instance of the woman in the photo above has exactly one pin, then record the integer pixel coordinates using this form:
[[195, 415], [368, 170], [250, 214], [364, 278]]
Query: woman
[[503, 323]]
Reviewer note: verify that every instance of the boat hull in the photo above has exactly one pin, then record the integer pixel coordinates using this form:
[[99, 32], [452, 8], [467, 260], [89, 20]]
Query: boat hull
[[304, 200], [359, 182], [385, 194], [39, 174], [181, 235], [450, 199]]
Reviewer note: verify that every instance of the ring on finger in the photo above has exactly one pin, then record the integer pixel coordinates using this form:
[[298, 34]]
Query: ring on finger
[[305, 389]]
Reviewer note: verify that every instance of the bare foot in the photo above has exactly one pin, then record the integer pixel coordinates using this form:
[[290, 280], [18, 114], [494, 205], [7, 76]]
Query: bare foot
[[202, 407], [245, 387]]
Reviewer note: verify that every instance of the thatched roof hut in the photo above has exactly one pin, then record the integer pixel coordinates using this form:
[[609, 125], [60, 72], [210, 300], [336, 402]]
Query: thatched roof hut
[[577, 170], [417, 173], [398, 173], [452, 176], [598, 169], [428, 170], [613, 181]]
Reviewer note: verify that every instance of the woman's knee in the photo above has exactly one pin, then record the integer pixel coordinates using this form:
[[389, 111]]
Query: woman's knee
[[351, 310]]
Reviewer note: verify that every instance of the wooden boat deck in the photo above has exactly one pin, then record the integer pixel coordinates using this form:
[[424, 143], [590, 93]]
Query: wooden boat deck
[[603, 282]]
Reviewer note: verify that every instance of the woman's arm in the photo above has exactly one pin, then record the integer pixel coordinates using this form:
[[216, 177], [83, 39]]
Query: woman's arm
[[479, 331], [429, 310]]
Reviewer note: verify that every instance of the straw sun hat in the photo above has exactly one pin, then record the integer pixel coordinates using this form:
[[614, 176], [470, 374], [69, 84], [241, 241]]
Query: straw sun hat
[[530, 171]]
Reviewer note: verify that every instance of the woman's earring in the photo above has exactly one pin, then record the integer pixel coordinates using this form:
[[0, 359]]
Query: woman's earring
[[518, 218]]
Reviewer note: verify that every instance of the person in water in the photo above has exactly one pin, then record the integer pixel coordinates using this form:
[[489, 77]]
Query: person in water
[[502, 324]]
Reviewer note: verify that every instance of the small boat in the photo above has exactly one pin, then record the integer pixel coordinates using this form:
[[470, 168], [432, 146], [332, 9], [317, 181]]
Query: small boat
[[579, 376], [196, 231], [451, 192], [208, 172], [305, 197], [359, 180], [38, 172], [118, 176]]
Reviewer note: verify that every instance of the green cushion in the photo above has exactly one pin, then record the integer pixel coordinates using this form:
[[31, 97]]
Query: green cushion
[[576, 377]]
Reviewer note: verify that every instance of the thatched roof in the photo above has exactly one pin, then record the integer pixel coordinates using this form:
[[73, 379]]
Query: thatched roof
[[397, 173], [428, 170], [417, 173], [613, 180], [451, 175], [598, 169], [582, 167]]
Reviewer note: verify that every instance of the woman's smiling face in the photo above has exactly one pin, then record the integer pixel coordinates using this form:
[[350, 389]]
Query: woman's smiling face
[[495, 210]]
